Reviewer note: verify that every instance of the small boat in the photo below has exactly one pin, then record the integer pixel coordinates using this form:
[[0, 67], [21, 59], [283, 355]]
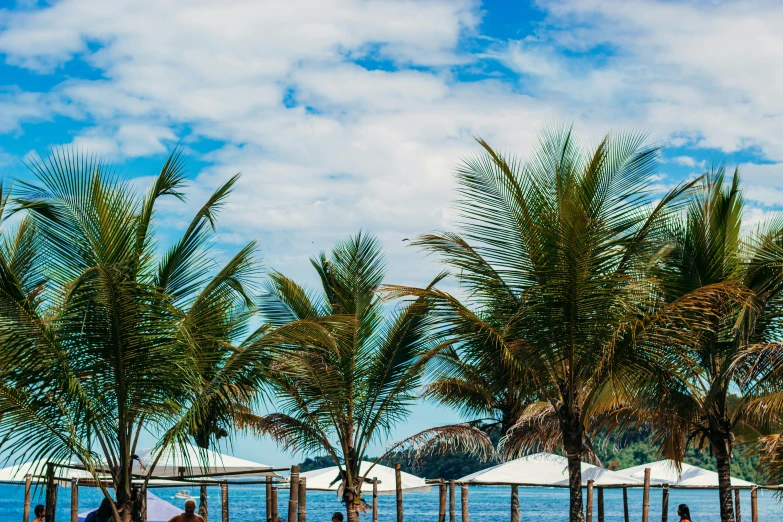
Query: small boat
[[182, 493]]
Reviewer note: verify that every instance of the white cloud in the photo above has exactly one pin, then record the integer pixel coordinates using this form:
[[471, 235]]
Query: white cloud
[[125, 140], [685, 161], [372, 149], [377, 148]]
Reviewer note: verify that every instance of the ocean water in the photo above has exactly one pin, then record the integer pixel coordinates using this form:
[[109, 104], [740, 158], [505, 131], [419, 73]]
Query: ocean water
[[487, 504]]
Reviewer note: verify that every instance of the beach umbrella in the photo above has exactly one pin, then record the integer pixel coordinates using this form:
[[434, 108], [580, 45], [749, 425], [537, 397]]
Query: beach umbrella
[[545, 469], [196, 461], [158, 510], [328, 479], [665, 472], [37, 468]]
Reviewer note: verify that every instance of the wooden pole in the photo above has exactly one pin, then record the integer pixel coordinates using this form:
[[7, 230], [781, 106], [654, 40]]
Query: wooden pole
[[600, 504], [51, 493], [398, 487], [28, 479], [464, 488], [74, 500], [589, 508], [268, 499], [442, 501], [452, 501], [754, 505], [625, 505], [302, 499], [514, 503], [293, 494], [274, 505], [224, 500], [375, 499], [646, 496], [737, 513], [665, 503]]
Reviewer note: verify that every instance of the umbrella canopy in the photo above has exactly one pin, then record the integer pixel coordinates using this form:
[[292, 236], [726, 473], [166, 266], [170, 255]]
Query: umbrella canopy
[[665, 472], [18, 472], [321, 479], [158, 510], [196, 461], [545, 469]]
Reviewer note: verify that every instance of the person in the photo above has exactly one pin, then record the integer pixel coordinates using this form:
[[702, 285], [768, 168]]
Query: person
[[40, 513], [190, 513], [684, 513], [337, 517], [102, 514]]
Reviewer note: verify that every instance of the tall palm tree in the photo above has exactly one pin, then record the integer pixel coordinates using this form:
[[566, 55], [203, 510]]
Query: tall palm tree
[[708, 248], [356, 393], [570, 233], [101, 338]]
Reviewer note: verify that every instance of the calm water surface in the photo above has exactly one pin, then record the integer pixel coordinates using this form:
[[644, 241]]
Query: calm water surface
[[487, 504]]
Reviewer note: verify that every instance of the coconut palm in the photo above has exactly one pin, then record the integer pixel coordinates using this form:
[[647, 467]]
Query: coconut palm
[[103, 339], [569, 234], [739, 352], [356, 393]]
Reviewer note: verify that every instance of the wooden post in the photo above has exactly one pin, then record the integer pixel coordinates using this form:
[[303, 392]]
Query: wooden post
[[28, 479], [274, 515], [737, 513], [464, 488], [74, 500], [625, 505], [51, 493], [442, 501], [665, 503], [375, 499], [293, 494], [646, 496], [600, 504], [302, 499], [589, 507], [452, 501], [514, 503], [398, 487], [754, 505], [224, 500], [268, 499]]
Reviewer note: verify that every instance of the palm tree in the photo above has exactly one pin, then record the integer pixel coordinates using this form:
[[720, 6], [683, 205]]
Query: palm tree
[[101, 338], [708, 248], [569, 234], [356, 393]]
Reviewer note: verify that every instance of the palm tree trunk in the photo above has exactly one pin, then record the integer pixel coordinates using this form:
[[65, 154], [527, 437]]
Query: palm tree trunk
[[573, 435], [575, 487], [724, 487], [203, 510], [353, 513]]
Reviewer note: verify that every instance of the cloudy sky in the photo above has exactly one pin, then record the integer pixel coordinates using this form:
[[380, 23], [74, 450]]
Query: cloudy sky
[[345, 114]]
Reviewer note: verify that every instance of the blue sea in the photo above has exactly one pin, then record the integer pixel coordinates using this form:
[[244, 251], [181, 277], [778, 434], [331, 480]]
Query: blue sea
[[487, 504]]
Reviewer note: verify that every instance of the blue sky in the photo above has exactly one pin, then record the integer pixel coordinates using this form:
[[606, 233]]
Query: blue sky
[[346, 114]]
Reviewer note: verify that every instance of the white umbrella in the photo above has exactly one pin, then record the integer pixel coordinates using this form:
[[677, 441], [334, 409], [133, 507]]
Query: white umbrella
[[665, 472], [545, 469], [18, 472], [198, 462], [321, 479], [158, 510]]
